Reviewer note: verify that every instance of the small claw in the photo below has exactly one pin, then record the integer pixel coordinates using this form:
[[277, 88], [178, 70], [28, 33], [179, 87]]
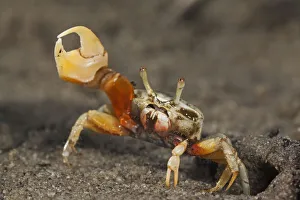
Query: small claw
[[174, 162], [173, 165], [80, 65]]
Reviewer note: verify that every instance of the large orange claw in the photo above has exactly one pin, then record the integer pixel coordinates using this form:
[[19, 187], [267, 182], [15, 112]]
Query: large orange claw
[[88, 66], [80, 65]]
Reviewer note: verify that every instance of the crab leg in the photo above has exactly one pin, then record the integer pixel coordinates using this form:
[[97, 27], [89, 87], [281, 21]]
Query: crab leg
[[97, 121], [174, 161], [222, 181], [220, 150]]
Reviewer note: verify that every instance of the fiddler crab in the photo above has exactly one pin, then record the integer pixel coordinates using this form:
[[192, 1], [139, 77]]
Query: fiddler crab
[[144, 114]]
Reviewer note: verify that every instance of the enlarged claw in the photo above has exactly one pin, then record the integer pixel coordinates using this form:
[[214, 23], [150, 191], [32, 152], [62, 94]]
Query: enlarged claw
[[80, 65]]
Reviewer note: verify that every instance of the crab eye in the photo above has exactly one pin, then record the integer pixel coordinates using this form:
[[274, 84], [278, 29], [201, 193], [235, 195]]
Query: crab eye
[[155, 120]]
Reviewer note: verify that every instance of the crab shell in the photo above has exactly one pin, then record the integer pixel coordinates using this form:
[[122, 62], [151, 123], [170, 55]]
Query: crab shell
[[161, 116]]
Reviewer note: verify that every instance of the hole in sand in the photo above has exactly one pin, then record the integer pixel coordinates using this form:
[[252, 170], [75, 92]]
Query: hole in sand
[[261, 176]]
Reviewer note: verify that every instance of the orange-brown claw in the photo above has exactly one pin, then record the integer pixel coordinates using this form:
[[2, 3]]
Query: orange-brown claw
[[88, 66], [80, 65]]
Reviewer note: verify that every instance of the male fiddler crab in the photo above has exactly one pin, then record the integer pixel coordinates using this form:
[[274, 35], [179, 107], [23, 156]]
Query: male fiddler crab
[[144, 114]]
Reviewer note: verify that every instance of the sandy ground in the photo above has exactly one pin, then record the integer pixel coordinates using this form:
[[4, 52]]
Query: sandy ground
[[241, 65]]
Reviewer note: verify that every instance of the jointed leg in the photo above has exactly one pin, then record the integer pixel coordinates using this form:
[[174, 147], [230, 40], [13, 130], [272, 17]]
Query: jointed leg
[[220, 150], [244, 178], [222, 181], [97, 121], [174, 161]]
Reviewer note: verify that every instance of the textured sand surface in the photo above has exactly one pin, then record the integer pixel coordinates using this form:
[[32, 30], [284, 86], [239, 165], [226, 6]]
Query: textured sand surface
[[241, 65]]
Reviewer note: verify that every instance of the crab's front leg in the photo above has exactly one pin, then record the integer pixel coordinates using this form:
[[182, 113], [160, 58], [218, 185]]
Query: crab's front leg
[[174, 162], [220, 150], [96, 120]]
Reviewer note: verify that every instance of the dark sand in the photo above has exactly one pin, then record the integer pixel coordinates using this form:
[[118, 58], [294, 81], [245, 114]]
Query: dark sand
[[240, 60]]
